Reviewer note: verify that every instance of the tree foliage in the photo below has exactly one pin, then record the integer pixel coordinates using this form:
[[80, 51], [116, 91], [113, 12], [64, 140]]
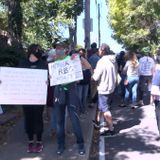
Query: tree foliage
[[43, 21], [36, 21], [47, 20], [3, 17], [135, 23], [15, 18]]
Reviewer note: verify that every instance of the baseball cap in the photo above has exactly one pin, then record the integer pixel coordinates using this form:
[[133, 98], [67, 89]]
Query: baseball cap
[[146, 50]]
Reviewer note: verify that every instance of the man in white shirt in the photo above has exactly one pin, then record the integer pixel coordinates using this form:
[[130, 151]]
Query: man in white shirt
[[105, 74], [146, 69]]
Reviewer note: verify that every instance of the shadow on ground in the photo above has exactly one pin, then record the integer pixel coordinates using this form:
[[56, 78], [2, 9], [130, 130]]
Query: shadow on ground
[[137, 140], [131, 136]]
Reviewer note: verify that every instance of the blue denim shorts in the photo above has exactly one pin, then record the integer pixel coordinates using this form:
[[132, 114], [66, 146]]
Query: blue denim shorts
[[104, 102]]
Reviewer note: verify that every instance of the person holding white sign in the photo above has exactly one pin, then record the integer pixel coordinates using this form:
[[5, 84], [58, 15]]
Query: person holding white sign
[[33, 114], [66, 95]]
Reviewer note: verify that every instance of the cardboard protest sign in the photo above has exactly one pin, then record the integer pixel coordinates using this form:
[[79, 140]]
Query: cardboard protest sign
[[65, 71], [155, 90], [23, 86]]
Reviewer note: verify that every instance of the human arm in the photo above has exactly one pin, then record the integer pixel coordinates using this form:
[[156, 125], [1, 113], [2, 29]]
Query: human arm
[[124, 71], [97, 72]]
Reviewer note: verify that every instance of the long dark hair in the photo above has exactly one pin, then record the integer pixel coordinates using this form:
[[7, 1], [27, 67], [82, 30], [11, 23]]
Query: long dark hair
[[36, 50], [83, 52]]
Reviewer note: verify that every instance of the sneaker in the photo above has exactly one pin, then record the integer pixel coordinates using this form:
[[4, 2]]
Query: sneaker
[[81, 149], [96, 124], [107, 133], [122, 105], [60, 149], [30, 148], [91, 105], [157, 138], [38, 148], [140, 103], [133, 106]]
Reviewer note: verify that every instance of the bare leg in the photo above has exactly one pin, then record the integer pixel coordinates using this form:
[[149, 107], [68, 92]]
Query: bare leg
[[99, 116], [108, 118]]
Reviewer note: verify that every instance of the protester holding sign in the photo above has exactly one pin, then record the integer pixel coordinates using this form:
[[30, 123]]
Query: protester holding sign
[[33, 114], [66, 96]]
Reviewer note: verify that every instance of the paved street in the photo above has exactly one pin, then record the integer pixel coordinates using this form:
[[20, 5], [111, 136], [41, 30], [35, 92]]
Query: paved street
[[137, 131], [135, 140], [15, 146]]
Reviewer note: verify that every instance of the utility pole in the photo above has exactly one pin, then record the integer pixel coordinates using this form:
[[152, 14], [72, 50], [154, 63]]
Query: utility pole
[[87, 24], [99, 26]]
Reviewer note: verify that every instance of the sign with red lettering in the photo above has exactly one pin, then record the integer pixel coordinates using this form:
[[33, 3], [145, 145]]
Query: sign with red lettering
[[65, 71]]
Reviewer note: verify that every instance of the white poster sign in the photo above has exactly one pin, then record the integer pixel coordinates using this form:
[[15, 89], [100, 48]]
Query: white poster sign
[[155, 90], [65, 71], [23, 86]]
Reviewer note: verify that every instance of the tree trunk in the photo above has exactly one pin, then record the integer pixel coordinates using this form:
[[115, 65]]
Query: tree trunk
[[15, 19], [75, 32], [87, 24], [72, 34]]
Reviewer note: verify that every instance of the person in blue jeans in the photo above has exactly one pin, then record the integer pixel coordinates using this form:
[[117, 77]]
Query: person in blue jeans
[[131, 82], [83, 93], [83, 85], [131, 90], [66, 95]]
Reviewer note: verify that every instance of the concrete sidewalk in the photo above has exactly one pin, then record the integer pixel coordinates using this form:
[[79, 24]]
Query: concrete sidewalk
[[15, 146], [137, 130]]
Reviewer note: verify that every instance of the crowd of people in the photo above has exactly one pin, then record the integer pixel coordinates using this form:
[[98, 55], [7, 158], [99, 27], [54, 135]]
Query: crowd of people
[[101, 71]]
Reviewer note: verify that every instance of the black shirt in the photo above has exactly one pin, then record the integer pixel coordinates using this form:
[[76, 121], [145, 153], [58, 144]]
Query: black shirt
[[39, 64]]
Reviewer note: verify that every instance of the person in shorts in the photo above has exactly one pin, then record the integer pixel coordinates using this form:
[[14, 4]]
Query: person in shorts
[[105, 74]]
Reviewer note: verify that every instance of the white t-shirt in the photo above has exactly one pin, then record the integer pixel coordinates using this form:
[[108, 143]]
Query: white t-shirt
[[146, 66]]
